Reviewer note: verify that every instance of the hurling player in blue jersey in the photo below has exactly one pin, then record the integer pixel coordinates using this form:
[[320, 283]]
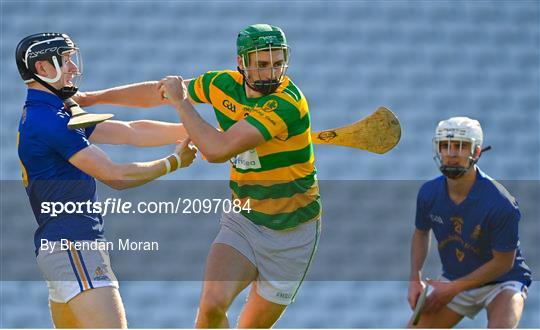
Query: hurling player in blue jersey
[[475, 221], [59, 165]]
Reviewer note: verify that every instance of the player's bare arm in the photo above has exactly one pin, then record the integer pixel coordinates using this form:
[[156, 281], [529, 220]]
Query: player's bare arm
[[142, 95], [139, 133], [500, 264], [444, 292], [93, 161], [139, 95], [217, 146]]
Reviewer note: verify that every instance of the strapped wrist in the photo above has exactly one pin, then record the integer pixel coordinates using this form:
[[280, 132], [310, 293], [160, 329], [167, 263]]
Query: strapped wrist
[[178, 160], [174, 162], [167, 165]]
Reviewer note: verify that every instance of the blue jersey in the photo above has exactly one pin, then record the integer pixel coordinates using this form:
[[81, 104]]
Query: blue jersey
[[45, 145], [467, 233]]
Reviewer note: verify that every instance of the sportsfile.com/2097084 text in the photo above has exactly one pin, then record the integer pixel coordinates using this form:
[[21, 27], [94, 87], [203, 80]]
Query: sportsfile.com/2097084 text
[[118, 206]]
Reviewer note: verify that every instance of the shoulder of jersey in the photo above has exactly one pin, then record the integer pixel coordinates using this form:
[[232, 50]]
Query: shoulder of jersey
[[237, 76], [46, 115], [430, 188], [289, 90], [497, 192]]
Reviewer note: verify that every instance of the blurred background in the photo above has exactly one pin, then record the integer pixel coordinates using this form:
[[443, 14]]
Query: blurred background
[[425, 60]]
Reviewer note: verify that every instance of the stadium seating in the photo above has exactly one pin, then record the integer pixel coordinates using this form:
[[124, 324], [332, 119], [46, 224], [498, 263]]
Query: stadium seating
[[426, 60]]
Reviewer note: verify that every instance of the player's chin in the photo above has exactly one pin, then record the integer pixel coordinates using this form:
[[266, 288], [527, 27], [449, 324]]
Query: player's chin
[[68, 81]]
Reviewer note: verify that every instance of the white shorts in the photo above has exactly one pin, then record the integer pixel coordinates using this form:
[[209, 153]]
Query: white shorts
[[69, 272], [282, 257], [471, 302]]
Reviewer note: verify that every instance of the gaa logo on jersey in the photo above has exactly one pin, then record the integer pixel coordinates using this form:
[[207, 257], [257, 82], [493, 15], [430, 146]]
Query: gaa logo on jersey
[[436, 218], [229, 105]]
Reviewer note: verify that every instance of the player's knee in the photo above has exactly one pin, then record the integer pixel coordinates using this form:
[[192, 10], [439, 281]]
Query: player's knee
[[507, 322], [213, 310], [506, 312], [214, 305]]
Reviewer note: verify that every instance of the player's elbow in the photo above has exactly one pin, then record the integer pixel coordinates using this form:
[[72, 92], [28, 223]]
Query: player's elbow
[[115, 179], [503, 267], [217, 159], [507, 265], [505, 261], [117, 184], [421, 234], [131, 133], [226, 150], [217, 156]]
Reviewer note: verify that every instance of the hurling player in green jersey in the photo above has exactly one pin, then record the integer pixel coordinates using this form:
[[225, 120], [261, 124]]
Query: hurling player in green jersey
[[265, 135]]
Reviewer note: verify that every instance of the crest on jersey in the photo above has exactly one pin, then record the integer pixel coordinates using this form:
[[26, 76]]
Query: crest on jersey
[[476, 232], [460, 255], [270, 106], [457, 223], [99, 275]]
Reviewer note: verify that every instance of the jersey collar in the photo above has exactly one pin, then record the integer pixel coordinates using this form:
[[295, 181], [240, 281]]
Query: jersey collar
[[476, 192], [36, 95]]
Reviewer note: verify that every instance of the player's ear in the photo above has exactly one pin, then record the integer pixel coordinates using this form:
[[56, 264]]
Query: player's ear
[[477, 151], [240, 62], [41, 69]]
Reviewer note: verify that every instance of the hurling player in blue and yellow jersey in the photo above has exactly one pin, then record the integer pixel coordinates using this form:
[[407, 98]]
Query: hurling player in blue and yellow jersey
[[475, 221], [265, 135], [59, 166]]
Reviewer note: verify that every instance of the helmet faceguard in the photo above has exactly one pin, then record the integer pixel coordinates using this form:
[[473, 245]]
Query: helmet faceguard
[[57, 49], [457, 129], [263, 38]]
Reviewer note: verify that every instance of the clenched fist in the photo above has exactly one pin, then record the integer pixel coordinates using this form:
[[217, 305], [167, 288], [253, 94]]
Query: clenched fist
[[173, 88]]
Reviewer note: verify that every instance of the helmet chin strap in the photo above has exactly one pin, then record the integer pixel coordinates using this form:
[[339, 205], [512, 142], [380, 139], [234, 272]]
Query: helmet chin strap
[[453, 171], [457, 171], [58, 72], [63, 93]]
